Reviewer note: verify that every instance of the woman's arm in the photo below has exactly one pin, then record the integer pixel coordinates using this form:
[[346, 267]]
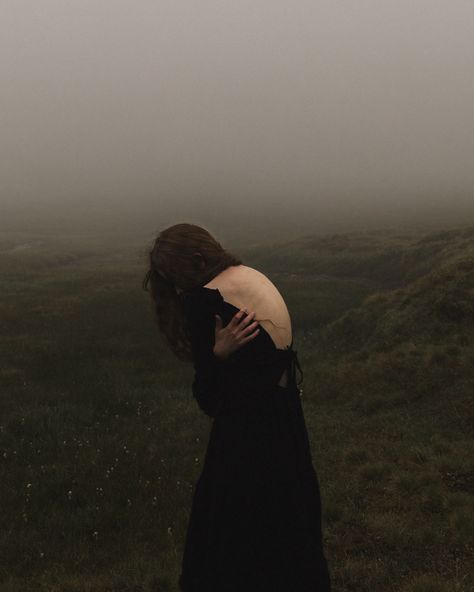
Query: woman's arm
[[206, 386]]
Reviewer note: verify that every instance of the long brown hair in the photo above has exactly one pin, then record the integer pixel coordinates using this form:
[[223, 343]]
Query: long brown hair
[[182, 256]]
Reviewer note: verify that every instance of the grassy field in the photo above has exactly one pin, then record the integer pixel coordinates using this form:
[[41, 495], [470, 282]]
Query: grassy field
[[101, 442]]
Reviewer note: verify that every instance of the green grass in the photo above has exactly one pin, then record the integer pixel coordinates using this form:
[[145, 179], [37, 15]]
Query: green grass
[[101, 443]]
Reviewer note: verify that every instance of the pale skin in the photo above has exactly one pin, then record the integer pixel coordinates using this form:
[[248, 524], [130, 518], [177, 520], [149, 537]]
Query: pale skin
[[242, 282]]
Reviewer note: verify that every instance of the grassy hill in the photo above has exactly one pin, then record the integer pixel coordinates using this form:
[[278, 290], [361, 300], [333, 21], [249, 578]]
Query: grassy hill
[[101, 442]]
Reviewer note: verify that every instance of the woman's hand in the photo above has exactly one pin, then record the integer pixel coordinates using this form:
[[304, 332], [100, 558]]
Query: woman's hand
[[235, 334]]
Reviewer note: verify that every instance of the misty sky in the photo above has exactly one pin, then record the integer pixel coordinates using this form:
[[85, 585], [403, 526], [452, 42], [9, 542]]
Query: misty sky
[[271, 99]]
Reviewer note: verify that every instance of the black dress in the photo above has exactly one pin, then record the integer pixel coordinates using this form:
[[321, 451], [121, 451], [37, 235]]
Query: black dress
[[255, 521]]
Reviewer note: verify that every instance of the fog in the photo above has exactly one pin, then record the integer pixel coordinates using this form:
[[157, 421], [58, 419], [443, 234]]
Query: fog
[[335, 111]]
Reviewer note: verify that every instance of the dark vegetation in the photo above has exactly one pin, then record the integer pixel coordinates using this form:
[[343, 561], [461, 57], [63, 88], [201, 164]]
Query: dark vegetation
[[101, 442]]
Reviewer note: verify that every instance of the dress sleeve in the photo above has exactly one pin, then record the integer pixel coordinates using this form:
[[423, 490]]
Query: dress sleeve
[[207, 383]]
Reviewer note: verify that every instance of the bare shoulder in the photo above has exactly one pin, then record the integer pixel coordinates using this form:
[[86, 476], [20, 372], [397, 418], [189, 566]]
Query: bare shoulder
[[265, 291], [253, 278], [245, 286], [243, 281]]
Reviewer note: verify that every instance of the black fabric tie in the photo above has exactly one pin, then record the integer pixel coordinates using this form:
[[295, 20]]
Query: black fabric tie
[[295, 364]]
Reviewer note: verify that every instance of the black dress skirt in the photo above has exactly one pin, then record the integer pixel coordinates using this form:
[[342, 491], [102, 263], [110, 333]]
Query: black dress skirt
[[255, 521]]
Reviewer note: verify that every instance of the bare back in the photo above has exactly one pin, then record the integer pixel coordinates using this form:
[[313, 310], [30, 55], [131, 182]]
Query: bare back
[[245, 286]]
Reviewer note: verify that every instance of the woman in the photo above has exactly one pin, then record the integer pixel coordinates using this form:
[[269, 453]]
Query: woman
[[255, 521]]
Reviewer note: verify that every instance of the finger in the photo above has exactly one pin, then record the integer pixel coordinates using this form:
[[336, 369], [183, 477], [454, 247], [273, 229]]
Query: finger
[[237, 318], [246, 320], [251, 336], [246, 330]]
